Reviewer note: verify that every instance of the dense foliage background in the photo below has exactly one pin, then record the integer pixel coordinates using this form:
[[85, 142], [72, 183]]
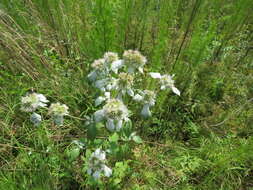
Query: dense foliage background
[[200, 140]]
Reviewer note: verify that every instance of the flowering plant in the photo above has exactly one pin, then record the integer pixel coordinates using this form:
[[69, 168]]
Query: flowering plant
[[115, 80], [32, 101]]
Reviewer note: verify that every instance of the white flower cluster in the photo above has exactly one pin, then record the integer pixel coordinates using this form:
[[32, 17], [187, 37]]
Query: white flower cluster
[[114, 112], [115, 80], [58, 110], [147, 98], [166, 81], [114, 77], [32, 101], [134, 61], [96, 165]]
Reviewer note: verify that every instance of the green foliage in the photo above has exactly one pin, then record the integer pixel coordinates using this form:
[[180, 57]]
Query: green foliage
[[200, 140]]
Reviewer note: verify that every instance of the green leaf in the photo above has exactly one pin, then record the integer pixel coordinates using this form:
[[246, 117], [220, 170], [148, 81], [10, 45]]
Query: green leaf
[[137, 139], [73, 153], [114, 138]]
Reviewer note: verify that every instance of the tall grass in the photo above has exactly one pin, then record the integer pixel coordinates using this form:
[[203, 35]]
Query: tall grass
[[49, 45]]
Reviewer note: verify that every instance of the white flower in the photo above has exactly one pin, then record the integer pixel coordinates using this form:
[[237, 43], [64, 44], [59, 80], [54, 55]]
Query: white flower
[[32, 101], [105, 84], [96, 165], [58, 109], [112, 62], [101, 99], [134, 61], [166, 81], [98, 64], [145, 112], [99, 70], [116, 65], [99, 116], [155, 75], [99, 154], [124, 84], [35, 119], [147, 98], [79, 144], [92, 76], [101, 84], [138, 98], [110, 57], [114, 112], [115, 109]]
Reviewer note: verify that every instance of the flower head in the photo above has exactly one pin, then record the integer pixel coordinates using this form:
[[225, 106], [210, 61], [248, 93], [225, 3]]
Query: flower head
[[134, 60], [98, 64], [35, 119], [96, 164], [147, 98], [166, 81], [115, 109], [114, 112], [58, 109], [99, 70], [125, 80], [124, 84], [32, 101], [110, 57]]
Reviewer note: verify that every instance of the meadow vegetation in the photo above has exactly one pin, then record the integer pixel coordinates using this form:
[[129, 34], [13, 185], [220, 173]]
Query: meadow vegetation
[[200, 140]]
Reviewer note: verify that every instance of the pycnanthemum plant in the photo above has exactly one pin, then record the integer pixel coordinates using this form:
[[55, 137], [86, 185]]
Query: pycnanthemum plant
[[58, 110], [124, 85], [33, 101], [30, 103], [96, 165], [166, 81], [134, 61], [117, 78], [114, 112], [114, 79], [147, 99]]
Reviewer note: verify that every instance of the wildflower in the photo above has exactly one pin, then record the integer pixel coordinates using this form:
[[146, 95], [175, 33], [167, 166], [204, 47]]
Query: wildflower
[[113, 63], [58, 110], [147, 98], [134, 60], [101, 99], [105, 84], [32, 101], [96, 164], [79, 144], [114, 112], [99, 69], [110, 57], [124, 84], [116, 65], [35, 119], [166, 81]]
